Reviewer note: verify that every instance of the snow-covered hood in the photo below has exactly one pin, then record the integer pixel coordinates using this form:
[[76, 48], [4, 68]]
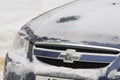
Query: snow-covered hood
[[90, 22]]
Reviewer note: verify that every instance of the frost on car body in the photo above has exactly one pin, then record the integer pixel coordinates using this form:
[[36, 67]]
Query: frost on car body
[[79, 40]]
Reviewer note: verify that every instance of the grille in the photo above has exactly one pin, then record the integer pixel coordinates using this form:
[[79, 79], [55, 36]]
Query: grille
[[49, 53]]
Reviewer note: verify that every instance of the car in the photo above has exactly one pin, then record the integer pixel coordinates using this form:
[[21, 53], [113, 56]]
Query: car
[[76, 41]]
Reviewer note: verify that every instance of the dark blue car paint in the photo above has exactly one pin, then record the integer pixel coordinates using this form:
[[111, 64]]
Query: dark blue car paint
[[96, 58], [44, 53], [114, 66]]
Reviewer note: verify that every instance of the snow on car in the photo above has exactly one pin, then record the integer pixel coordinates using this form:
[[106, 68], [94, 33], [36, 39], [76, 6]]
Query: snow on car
[[77, 41]]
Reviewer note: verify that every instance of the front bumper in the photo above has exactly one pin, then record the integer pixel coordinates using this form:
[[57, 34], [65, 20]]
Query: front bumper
[[41, 69]]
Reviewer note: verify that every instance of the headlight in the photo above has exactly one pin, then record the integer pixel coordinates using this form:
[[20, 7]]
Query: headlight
[[20, 42]]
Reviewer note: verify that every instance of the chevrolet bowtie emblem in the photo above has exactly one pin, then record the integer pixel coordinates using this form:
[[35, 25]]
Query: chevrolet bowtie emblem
[[69, 56]]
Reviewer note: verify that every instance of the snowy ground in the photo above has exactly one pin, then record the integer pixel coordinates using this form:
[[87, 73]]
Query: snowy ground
[[14, 14]]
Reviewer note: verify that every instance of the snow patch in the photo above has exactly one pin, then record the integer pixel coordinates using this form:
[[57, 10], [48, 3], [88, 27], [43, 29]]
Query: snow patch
[[1, 75], [114, 74]]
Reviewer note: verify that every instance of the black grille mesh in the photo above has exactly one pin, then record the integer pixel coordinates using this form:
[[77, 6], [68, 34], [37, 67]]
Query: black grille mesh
[[75, 64]]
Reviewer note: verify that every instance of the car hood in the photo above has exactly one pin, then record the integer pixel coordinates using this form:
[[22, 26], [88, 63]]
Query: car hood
[[82, 22]]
